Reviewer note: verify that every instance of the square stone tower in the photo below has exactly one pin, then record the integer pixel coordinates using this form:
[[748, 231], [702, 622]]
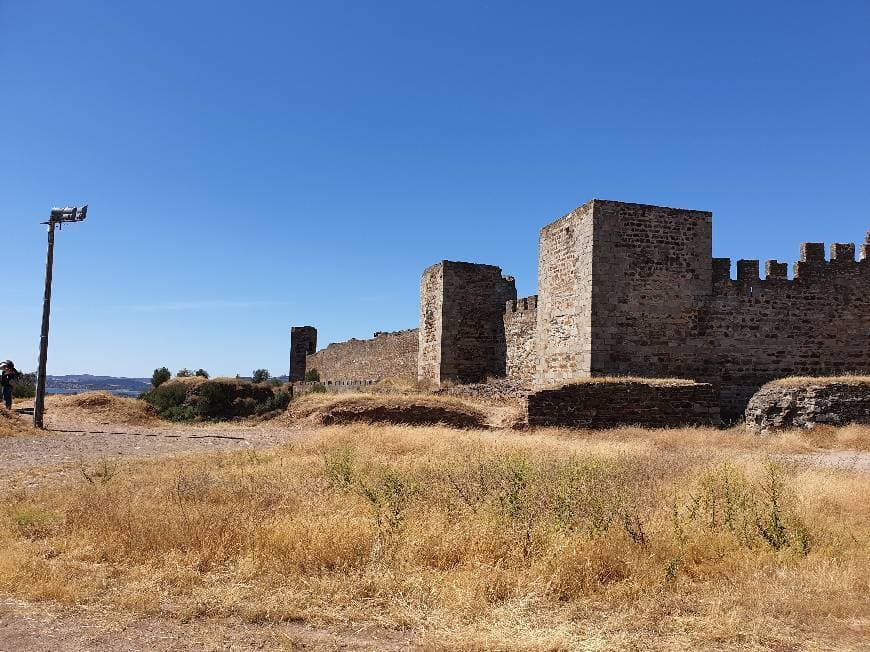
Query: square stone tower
[[303, 341], [621, 291], [462, 335]]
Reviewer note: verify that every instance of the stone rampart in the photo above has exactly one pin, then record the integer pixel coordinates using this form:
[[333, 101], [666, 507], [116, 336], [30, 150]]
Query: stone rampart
[[386, 355], [520, 322], [611, 404], [815, 324]]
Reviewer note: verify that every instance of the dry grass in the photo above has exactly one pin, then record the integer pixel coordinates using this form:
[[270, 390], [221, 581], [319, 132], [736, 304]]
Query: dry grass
[[11, 425], [622, 380], [418, 409], [399, 385], [103, 408], [803, 381], [625, 539]]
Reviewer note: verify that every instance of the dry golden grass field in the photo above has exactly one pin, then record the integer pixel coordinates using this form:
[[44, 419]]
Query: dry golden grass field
[[437, 538]]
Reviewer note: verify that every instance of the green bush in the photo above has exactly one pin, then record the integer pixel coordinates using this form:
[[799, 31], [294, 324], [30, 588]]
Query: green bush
[[167, 398], [260, 375], [215, 400], [318, 388], [25, 386], [312, 376], [202, 373], [278, 403]]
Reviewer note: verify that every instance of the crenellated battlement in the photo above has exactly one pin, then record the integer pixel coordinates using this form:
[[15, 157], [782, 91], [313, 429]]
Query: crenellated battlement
[[524, 304], [812, 265]]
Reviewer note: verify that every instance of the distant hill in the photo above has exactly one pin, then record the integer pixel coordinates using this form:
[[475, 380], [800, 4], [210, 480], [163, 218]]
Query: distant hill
[[76, 383]]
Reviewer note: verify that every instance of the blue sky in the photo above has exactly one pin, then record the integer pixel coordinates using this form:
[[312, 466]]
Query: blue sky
[[253, 165]]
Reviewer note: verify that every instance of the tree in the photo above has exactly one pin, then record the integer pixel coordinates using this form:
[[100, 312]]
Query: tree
[[184, 373], [312, 376], [202, 373], [260, 375], [160, 376]]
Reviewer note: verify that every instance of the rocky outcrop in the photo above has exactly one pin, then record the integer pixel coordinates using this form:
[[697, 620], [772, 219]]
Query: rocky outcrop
[[777, 406]]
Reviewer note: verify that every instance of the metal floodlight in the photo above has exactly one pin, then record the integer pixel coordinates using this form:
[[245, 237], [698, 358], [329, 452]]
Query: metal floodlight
[[57, 218], [67, 214]]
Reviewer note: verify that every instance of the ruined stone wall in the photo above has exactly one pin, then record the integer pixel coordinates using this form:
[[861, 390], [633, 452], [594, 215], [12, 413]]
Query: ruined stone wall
[[520, 322], [303, 341], [462, 331], [816, 324], [607, 405], [564, 310], [387, 355]]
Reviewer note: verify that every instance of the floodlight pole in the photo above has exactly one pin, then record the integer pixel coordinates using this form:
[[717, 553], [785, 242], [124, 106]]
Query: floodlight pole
[[58, 217], [39, 403]]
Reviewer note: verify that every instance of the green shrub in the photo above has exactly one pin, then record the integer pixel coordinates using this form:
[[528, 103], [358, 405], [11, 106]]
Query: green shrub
[[312, 376], [317, 388], [25, 386], [260, 375], [214, 400], [160, 376], [167, 399], [278, 403], [184, 373], [202, 373]]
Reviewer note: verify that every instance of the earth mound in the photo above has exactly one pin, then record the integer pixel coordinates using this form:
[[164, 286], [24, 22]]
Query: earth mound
[[103, 408], [336, 409]]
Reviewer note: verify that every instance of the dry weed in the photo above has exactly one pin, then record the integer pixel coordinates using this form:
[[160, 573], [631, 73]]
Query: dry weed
[[471, 539]]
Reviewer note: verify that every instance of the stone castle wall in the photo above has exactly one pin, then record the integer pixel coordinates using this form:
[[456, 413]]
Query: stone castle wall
[[627, 289], [564, 329], [651, 271], [386, 355], [461, 315], [520, 322], [816, 324]]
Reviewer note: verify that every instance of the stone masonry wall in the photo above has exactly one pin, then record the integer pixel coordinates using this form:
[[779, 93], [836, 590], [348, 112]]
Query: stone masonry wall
[[520, 321], [387, 355], [816, 324], [465, 302], [650, 277], [607, 405], [431, 302], [564, 310]]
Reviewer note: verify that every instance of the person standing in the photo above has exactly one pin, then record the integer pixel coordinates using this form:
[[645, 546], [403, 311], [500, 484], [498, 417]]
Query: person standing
[[7, 380]]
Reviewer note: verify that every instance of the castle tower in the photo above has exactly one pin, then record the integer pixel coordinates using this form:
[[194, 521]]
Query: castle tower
[[621, 289], [462, 336], [303, 341]]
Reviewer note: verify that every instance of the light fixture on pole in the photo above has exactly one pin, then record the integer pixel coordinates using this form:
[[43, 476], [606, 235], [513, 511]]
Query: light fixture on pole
[[57, 218]]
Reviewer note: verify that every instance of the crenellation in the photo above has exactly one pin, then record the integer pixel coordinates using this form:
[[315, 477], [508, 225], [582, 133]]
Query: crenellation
[[812, 252], [721, 270], [843, 252], [747, 271], [775, 270]]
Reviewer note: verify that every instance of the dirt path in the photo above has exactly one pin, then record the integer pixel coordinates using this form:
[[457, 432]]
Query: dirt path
[[67, 442], [45, 627]]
